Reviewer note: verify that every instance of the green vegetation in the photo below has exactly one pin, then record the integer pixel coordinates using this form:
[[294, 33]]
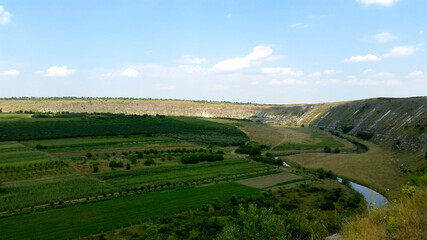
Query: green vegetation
[[83, 220], [364, 135], [27, 193], [180, 173], [264, 214], [315, 140], [201, 157], [84, 125]]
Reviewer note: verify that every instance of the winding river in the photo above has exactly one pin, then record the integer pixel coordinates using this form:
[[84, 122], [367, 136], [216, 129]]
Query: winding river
[[373, 198]]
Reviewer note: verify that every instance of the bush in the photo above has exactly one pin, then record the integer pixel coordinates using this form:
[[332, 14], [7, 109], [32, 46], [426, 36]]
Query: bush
[[95, 169], [337, 150], [346, 129], [89, 155], [201, 157], [327, 149], [364, 135], [149, 162]]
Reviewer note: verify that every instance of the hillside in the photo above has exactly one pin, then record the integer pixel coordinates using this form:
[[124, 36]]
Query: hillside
[[397, 123]]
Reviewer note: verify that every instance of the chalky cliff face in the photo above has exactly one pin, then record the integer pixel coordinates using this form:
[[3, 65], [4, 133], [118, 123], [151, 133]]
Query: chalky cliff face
[[400, 123]]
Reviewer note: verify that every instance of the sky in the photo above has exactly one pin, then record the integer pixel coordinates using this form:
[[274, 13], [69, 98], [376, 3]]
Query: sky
[[266, 51]]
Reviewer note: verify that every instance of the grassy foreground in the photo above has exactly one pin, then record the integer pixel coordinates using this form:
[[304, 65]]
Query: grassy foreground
[[83, 220], [404, 218]]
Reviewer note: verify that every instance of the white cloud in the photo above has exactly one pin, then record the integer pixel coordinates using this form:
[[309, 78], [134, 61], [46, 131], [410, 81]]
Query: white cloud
[[188, 59], [415, 74], [229, 15], [287, 81], [400, 51], [386, 3], [384, 37], [421, 32], [284, 71], [332, 81], [57, 71], [130, 72], [315, 74], [368, 71], [5, 17], [255, 57], [384, 75], [190, 68], [300, 25], [331, 72], [366, 58], [11, 72]]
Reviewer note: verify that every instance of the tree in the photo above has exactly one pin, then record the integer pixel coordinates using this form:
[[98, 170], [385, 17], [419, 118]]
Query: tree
[[254, 223], [95, 169], [128, 166], [327, 149]]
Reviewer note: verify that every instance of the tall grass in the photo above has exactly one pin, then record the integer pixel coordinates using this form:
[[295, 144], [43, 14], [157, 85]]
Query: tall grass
[[403, 218]]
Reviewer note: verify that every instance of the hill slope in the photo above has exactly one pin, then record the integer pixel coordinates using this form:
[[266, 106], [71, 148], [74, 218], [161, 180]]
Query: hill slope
[[399, 123]]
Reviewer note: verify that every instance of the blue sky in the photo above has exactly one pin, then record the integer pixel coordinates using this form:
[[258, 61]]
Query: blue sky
[[230, 50]]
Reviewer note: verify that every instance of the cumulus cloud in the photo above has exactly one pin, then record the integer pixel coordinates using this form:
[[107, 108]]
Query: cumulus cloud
[[400, 51], [188, 59], [11, 72], [385, 3], [371, 78], [384, 37], [130, 72], [415, 74], [284, 71], [5, 16], [255, 57], [57, 71], [366, 58], [331, 72]]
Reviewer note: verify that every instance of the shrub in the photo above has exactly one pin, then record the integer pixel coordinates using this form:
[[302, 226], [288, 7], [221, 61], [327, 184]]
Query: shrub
[[337, 150], [327, 149], [149, 162], [364, 135], [346, 129], [95, 169], [89, 155]]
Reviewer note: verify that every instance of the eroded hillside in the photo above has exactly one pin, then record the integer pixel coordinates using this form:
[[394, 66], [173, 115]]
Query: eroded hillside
[[397, 123]]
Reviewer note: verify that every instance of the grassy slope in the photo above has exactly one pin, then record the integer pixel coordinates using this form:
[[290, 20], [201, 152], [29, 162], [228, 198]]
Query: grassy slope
[[404, 218], [374, 168], [82, 220]]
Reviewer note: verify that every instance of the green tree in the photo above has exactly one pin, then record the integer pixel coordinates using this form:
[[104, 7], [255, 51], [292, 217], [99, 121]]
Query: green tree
[[255, 223]]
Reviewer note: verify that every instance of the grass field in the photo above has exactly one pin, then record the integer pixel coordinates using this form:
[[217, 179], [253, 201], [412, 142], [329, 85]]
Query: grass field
[[281, 138], [83, 220], [24, 193], [272, 180], [375, 168]]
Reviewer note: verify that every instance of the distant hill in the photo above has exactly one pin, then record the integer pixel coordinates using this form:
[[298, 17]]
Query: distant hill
[[399, 123]]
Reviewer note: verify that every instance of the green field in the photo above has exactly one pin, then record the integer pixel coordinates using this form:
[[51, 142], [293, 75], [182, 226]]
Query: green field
[[25, 193], [308, 139], [100, 142], [21, 157], [83, 220], [180, 173]]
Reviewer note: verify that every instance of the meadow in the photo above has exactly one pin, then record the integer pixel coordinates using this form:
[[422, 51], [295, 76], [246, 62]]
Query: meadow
[[86, 219]]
